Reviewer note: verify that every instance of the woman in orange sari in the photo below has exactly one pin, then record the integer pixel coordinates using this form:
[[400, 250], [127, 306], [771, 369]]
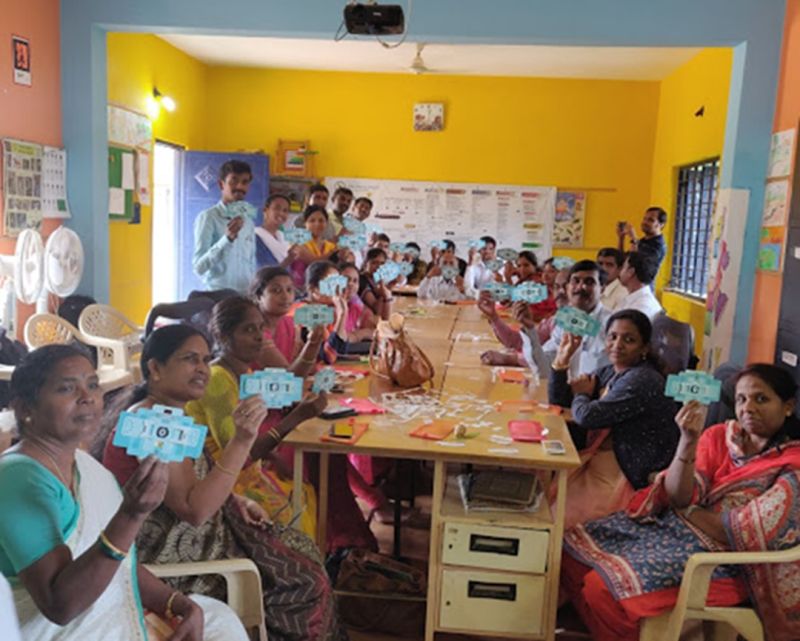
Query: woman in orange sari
[[735, 486]]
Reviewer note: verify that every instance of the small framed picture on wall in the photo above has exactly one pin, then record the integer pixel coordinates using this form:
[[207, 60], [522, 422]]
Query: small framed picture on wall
[[429, 116], [21, 52]]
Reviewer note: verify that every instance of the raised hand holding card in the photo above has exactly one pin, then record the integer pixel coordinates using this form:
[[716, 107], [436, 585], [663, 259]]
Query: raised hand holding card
[[312, 315], [324, 380], [354, 225], [476, 243], [494, 265], [575, 321], [296, 236], [530, 293], [333, 285], [397, 248], [563, 262], [506, 253], [439, 244], [162, 431], [405, 268], [355, 242], [278, 387], [498, 291], [449, 272], [693, 386], [387, 272]]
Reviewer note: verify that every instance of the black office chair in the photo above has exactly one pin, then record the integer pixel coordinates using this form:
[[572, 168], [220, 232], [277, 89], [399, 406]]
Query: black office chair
[[673, 343], [195, 312], [725, 408], [214, 294]]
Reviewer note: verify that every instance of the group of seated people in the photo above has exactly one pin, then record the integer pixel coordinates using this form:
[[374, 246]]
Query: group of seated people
[[654, 486]]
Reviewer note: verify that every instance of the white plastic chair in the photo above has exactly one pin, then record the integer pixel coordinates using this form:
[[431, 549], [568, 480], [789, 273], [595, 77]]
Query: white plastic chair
[[103, 321], [112, 366], [243, 582], [691, 604]]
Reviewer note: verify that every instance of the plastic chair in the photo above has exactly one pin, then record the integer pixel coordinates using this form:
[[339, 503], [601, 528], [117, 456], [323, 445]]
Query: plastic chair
[[242, 579], [673, 343], [103, 321], [112, 366], [186, 311], [691, 604]]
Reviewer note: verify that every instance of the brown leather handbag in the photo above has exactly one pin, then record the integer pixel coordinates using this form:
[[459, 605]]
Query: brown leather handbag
[[394, 355]]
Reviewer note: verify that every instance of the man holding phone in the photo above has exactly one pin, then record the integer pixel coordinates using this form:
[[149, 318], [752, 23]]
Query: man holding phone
[[224, 235], [652, 244]]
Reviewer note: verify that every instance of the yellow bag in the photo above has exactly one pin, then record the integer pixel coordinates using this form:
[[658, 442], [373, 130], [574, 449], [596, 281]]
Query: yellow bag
[[274, 495]]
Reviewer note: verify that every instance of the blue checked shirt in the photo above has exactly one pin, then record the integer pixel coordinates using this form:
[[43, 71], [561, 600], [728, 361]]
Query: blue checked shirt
[[221, 263]]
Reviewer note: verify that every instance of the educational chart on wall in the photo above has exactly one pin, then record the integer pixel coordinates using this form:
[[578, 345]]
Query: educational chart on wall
[[725, 259], [517, 216], [22, 186], [570, 219], [129, 128]]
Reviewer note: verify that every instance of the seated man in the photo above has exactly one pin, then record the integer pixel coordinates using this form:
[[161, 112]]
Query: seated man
[[611, 260], [637, 275], [583, 292], [224, 235], [438, 286], [478, 274]]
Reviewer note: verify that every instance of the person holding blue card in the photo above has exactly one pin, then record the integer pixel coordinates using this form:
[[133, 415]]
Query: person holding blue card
[[202, 507], [443, 282], [67, 533], [375, 293], [730, 487], [315, 220], [623, 421], [478, 274]]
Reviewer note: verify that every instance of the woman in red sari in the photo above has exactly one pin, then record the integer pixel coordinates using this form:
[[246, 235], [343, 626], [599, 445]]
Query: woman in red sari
[[735, 486]]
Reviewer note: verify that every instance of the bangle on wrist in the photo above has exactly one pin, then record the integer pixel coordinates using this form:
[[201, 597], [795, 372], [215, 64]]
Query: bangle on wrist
[[224, 469], [168, 608], [686, 460], [275, 435], [109, 549]]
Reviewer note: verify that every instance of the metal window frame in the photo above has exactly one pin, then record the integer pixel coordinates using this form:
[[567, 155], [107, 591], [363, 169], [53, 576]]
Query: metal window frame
[[694, 210]]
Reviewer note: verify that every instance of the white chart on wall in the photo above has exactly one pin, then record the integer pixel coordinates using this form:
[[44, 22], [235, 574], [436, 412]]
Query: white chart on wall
[[518, 216]]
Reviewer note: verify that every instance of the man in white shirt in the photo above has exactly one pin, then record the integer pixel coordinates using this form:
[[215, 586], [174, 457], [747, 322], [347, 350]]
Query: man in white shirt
[[583, 292], [478, 274], [610, 260], [440, 286], [637, 273]]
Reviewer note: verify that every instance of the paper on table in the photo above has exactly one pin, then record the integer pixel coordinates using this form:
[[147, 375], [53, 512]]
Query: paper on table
[[128, 179], [116, 201]]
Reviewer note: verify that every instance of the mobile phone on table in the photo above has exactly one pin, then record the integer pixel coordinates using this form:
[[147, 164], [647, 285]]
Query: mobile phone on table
[[333, 413], [554, 447]]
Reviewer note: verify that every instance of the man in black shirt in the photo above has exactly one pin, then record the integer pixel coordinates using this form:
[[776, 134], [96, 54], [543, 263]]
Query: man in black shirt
[[652, 245]]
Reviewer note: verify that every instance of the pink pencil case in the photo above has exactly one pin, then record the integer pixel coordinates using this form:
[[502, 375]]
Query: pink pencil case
[[362, 405], [527, 431]]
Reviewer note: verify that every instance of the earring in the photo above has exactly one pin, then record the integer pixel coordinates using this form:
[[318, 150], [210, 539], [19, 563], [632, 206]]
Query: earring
[[156, 378], [27, 420]]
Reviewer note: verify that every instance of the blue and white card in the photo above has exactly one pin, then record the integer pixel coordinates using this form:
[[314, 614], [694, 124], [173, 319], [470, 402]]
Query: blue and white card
[[312, 315], [450, 272], [241, 208], [276, 386], [161, 431], [324, 380], [438, 244], [506, 253], [387, 272], [563, 262], [397, 248], [498, 291], [333, 285], [476, 243], [693, 386], [297, 236], [530, 293], [372, 228], [412, 251], [356, 242], [494, 265], [405, 268], [575, 321], [354, 225]]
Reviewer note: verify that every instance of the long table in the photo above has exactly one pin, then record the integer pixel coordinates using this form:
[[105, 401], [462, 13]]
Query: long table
[[453, 337]]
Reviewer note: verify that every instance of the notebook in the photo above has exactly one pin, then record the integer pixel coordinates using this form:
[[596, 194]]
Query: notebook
[[516, 488]]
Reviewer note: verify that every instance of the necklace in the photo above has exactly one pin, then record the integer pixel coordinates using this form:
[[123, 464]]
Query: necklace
[[52, 459]]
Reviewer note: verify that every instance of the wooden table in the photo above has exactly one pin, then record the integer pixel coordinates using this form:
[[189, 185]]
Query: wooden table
[[459, 373]]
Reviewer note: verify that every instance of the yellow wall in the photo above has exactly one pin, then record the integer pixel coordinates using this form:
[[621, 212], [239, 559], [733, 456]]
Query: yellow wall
[[681, 139], [570, 133], [137, 63]]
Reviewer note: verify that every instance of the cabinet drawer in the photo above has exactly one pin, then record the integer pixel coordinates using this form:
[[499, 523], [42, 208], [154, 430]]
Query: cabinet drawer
[[495, 548], [491, 602]]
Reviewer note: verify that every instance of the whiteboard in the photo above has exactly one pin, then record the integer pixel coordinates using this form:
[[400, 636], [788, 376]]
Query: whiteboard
[[517, 216]]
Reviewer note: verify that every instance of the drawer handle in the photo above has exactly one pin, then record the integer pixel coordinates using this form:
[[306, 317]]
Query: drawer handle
[[493, 545], [499, 591]]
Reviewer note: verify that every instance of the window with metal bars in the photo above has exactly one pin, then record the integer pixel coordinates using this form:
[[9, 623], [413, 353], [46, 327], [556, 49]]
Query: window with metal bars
[[697, 188]]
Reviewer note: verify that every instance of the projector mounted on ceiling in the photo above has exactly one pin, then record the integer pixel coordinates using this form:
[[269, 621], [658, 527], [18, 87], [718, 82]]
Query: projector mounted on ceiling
[[374, 19]]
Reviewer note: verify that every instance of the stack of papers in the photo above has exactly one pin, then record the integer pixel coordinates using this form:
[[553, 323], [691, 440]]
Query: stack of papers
[[499, 491]]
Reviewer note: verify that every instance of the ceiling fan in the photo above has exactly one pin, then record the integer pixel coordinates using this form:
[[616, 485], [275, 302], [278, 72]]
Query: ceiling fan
[[418, 64]]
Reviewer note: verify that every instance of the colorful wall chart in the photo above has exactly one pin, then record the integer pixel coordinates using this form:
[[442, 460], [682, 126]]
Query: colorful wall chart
[[770, 251], [517, 216], [570, 219], [727, 239]]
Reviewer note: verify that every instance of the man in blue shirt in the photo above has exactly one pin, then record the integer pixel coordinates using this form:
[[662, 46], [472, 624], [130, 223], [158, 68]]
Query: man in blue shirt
[[224, 235], [652, 245]]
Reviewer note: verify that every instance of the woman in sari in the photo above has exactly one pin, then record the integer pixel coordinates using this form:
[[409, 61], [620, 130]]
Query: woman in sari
[[376, 295], [201, 519], [271, 247], [315, 220], [623, 423], [361, 322], [67, 532], [735, 486]]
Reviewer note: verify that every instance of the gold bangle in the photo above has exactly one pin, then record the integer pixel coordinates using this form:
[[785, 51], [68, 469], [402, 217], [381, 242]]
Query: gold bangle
[[275, 434], [104, 539], [225, 470], [168, 610]]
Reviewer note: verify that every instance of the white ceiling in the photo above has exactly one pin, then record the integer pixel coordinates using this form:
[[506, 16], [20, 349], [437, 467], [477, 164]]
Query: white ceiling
[[620, 63]]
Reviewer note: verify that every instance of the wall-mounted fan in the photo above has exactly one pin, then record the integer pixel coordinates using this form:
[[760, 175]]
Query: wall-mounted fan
[[418, 65], [24, 276]]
